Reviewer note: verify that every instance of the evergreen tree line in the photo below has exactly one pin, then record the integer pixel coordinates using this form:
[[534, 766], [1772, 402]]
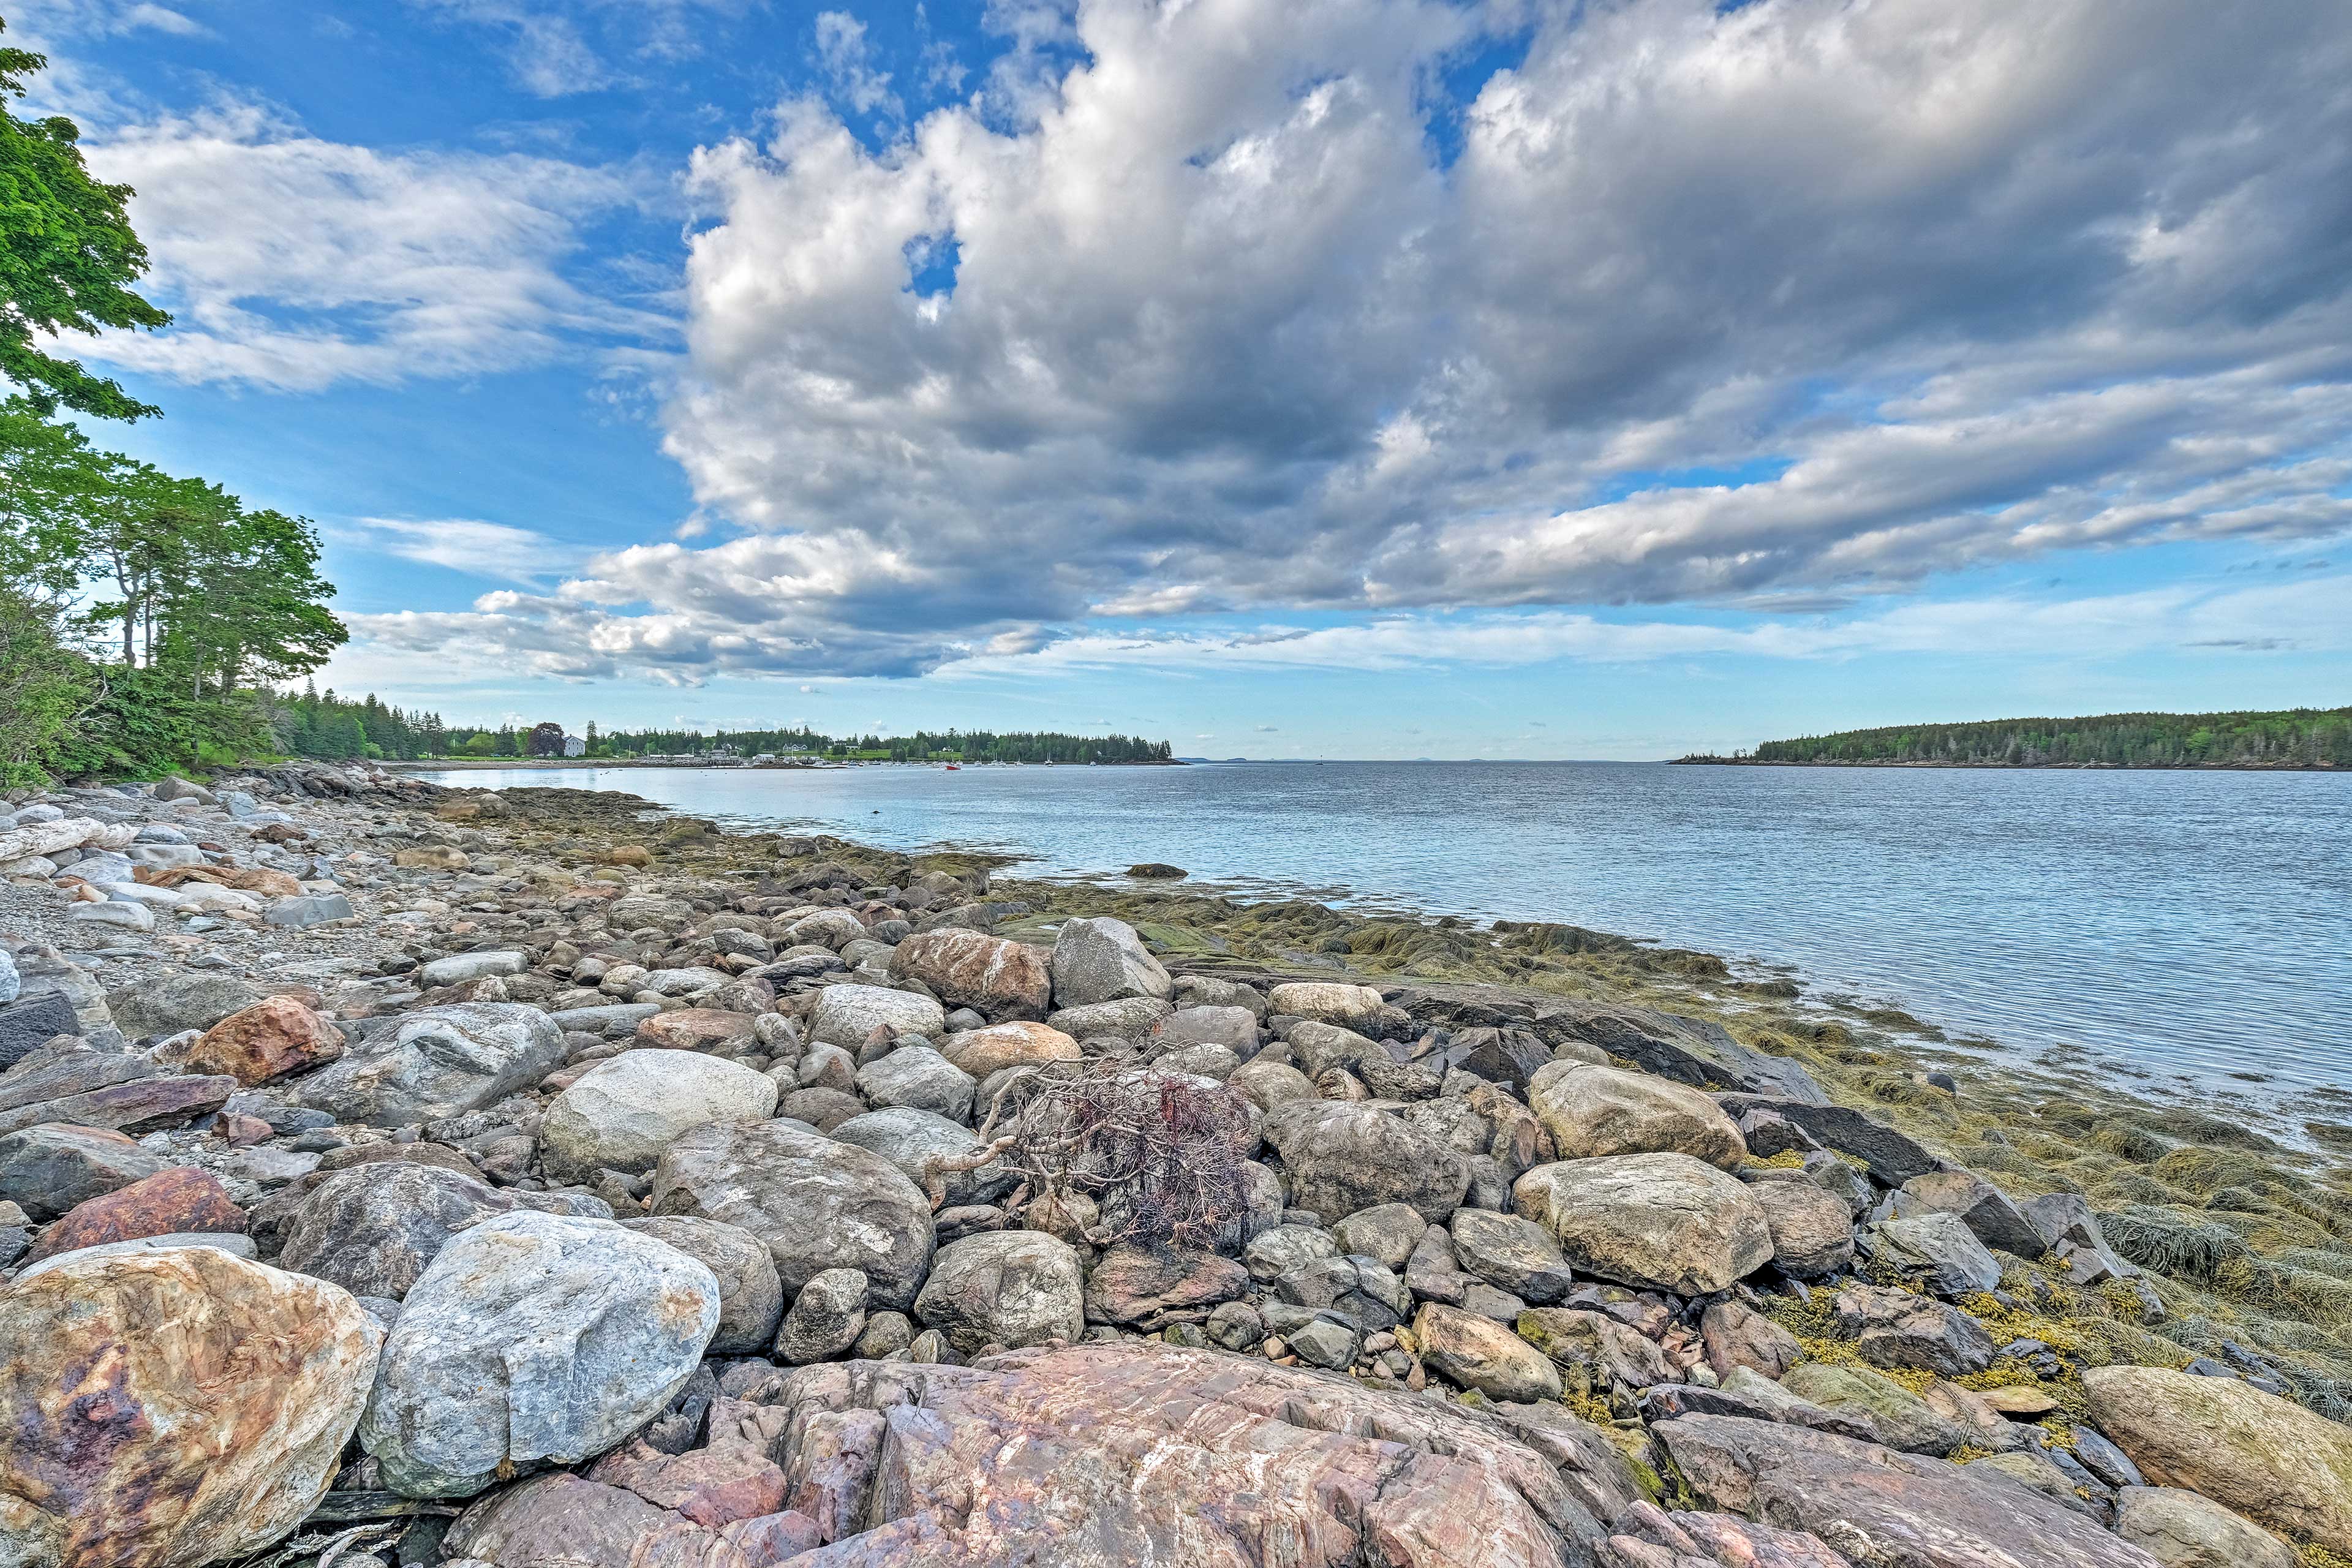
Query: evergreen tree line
[[2301, 737], [317, 724]]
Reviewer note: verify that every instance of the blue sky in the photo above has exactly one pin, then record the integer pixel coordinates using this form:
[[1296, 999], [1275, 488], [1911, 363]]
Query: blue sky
[[1283, 377]]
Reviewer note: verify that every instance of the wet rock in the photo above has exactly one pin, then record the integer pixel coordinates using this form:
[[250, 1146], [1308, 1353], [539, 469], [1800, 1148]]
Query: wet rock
[[1893, 1158], [178, 1201], [170, 1409], [374, 1230], [845, 1014], [624, 1111], [1940, 1247], [1693, 1051], [2182, 1529], [1895, 1328], [1812, 1230], [48, 1169], [998, 979], [1664, 1221], [827, 1315], [435, 1063], [1984, 1208], [1882, 1508], [1014, 1288], [1130, 1283], [1018, 1043], [30, 1022], [1147, 1453], [1103, 961], [751, 1295], [269, 1039], [2274, 1462], [817, 1204], [1342, 1158], [533, 1339], [1595, 1111]]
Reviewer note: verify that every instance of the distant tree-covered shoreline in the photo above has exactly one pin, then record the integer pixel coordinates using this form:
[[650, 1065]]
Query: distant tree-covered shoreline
[[2292, 738]]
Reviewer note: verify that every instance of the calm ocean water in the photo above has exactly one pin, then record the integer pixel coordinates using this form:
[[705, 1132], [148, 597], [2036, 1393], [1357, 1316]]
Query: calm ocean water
[[2198, 924]]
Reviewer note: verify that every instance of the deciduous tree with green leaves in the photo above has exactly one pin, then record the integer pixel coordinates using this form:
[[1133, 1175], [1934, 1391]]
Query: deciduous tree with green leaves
[[68, 257]]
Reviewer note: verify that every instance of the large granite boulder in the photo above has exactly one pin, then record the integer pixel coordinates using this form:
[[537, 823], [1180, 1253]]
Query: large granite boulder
[[995, 978], [1013, 1289], [1666, 1221], [375, 1228], [435, 1063], [533, 1338], [817, 1204], [1102, 961], [918, 1078], [622, 1112], [2270, 1460], [1593, 1111], [170, 1409], [1355, 1007], [1134, 1453], [845, 1014], [750, 1293], [1342, 1157], [1812, 1229], [1880, 1507]]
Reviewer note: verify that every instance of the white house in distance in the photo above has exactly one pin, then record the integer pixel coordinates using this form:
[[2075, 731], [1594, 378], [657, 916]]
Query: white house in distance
[[574, 746]]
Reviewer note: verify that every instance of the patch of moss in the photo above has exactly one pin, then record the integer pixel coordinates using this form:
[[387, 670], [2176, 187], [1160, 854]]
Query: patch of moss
[[1787, 1160]]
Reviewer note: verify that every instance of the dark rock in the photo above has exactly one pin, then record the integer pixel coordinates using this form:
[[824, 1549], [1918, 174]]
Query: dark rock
[[48, 1170], [137, 1106], [1892, 1157], [31, 1022]]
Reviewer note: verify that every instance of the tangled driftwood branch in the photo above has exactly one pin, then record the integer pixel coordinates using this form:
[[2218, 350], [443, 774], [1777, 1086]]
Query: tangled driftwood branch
[[1158, 1155]]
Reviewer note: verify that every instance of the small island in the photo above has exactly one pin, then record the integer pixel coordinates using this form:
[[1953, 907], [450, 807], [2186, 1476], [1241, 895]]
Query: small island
[[2293, 739]]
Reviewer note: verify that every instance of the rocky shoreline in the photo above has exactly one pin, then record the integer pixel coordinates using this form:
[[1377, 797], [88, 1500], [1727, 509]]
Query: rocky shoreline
[[401, 1175]]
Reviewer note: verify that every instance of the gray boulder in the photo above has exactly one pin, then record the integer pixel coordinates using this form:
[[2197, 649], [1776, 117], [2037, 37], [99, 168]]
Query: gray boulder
[[533, 1338], [1511, 1254], [622, 1112], [1812, 1229], [1984, 1208], [177, 1002], [1103, 961], [1938, 1246], [376, 1229], [1128, 1018], [827, 1315], [1234, 1029], [845, 1014], [1898, 1328], [751, 1295], [460, 967], [1343, 1157], [909, 1139], [1013, 1289], [308, 909], [435, 1064], [817, 1204], [919, 1079], [2181, 1530], [1592, 1111], [46, 1168]]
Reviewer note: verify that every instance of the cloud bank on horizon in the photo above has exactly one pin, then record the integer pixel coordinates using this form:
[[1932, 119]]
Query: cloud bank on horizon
[[1399, 329]]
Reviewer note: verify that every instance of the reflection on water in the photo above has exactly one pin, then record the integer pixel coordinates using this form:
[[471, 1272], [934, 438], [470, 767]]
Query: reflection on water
[[2199, 923]]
